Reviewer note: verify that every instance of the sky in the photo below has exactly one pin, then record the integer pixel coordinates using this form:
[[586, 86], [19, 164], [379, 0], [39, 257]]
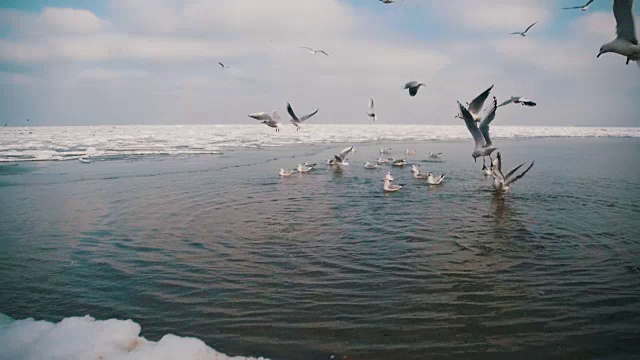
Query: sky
[[90, 62]]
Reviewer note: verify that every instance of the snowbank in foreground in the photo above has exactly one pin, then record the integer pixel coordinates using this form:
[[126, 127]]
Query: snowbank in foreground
[[88, 338]]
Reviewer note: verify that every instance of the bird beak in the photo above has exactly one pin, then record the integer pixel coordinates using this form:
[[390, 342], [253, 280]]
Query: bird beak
[[600, 53]]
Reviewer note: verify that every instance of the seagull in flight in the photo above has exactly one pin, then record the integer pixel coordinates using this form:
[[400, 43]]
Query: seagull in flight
[[519, 100], [222, 65], [501, 182], [413, 87], [272, 120], [483, 145], [298, 121], [476, 105], [584, 7], [387, 1], [314, 51], [626, 42], [372, 113], [524, 33]]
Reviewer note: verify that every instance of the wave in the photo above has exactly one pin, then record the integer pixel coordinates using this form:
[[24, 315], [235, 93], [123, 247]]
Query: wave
[[73, 142], [88, 338]]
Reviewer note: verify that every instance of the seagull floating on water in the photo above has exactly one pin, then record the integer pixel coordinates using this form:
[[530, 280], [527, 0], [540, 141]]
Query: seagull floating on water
[[584, 7], [382, 160], [501, 182], [370, 166], [483, 145], [524, 33], [269, 120], [399, 162], [298, 121], [304, 168], [314, 51], [432, 180], [626, 42], [371, 113], [434, 155], [384, 151], [415, 171], [388, 186], [413, 87], [84, 160], [519, 100], [284, 172]]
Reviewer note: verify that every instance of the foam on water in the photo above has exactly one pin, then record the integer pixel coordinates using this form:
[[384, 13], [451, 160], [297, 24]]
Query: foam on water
[[68, 143], [88, 338]]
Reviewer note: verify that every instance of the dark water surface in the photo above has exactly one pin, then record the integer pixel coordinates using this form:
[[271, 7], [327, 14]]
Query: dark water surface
[[221, 248]]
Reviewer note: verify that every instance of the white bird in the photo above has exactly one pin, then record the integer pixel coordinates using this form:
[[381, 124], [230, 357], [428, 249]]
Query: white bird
[[314, 51], [284, 172], [341, 158], [434, 155], [269, 120], [415, 171], [409, 152], [298, 121], [483, 145], [413, 87], [388, 176], [84, 160], [524, 33], [476, 105], [399, 162], [584, 7], [303, 168], [382, 160], [626, 42], [372, 113], [518, 100], [486, 171], [501, 182], [382, 151], [431, 180], [389, 187], [370, 166]]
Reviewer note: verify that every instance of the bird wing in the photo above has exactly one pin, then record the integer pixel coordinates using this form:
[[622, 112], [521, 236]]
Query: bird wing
[[413, 91], [588, 3], [371, 105], [513, 171], [484, 124], [290, 111], [306, 117], [221, 64], [322, 52], [410, 84], [625, 28], [471, 126], [343, 154], [262, 116], [530, 26], [476, 104], [572, 7], [519, 176], [507, 102]]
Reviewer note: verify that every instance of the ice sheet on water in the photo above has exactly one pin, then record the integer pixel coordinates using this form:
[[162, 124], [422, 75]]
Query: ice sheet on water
[[87, 338], [72, 142]]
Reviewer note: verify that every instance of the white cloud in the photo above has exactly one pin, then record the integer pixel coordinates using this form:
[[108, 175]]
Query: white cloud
[[495, 15], [78, 21]]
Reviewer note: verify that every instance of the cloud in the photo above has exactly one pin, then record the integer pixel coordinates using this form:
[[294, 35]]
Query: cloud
[[156, 62], [495, 15]]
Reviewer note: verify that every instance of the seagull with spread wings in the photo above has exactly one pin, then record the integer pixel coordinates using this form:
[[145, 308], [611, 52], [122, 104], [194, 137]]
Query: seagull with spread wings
[[314, 51], [524, 33], [298, 121], [272, 120], [483, 145], [501, 182], [372, 113], [584, 7]]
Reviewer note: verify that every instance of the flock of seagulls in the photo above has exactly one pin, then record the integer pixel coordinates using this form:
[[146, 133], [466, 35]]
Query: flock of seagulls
[[625, 44]]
